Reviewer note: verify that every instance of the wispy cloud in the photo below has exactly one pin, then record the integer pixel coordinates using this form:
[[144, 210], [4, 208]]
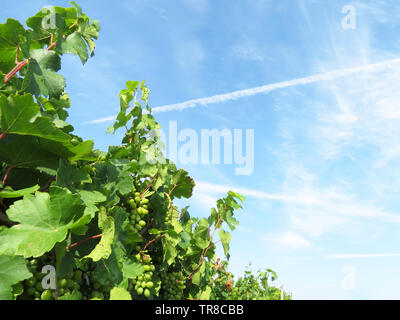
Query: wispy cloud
[[316, 207], [331, 75], [287, 239], [361, 255]]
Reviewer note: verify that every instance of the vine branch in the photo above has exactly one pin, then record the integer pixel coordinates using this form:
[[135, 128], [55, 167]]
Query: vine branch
[[84, 240], [6, 175]]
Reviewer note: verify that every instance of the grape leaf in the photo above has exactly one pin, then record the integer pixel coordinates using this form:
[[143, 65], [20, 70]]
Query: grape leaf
[[44, 219], [68, 174], [8, 192], [13, 270], [118, 293], [76, 45], [21, 115], [170, 241], [40, 77], [107, 227], [12, 35], [201, 235], [225, 239], [182, 185]]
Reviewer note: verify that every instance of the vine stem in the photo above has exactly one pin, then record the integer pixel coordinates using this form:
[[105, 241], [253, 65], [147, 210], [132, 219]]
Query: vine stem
[[151, 241], [6, 175], [52, 44], [84, 240], [21, 64], [201, 260], [18, 67], [148, 186]]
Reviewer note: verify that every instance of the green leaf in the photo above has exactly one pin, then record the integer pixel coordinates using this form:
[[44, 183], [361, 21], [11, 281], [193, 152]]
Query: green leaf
[[236, 195], [205, 294], [225, 240], [170, 241], [8, 192], [132, 269], [68, 174], [229, 219], [107, 227], [40, 77], [13, 270], [118, 293], [12, 35], [74, 295], [21, 115], [44, 219], [76, 45], [181, 184], [201, 234]]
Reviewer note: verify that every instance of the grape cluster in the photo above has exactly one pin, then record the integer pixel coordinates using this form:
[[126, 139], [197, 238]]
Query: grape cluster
[[33, 287], [139, 209], [143, 283], [172, 287]]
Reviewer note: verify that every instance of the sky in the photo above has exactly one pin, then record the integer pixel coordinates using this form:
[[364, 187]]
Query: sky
[[315, 81]]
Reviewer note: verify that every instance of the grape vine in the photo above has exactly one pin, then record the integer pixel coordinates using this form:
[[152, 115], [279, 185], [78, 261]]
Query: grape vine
[[83, 224]]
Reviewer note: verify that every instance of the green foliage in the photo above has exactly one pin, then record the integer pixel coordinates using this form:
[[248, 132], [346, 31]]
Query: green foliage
[[105, 220]]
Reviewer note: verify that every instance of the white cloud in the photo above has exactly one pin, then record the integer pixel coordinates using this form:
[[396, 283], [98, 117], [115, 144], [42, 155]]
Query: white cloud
[[189, 55], [361, 255], [287, 239], [280, 85]]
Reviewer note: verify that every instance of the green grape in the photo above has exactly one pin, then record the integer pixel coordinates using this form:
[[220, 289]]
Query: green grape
[[62, 283], [46, 295], [147, 267], [142, 223], [132, 203], [139, 291], [146, 293]]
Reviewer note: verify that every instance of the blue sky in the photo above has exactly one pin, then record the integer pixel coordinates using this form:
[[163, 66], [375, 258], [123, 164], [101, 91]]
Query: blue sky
[[322, 206]]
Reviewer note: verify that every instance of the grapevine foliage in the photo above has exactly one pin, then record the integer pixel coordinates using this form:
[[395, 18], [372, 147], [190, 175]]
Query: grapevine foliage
[[106, 221]]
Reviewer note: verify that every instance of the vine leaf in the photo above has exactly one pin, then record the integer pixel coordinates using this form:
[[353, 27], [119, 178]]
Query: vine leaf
[[103, 248], [40, 77], [44, 219], [170, 241], [118, 293], [21, 115], [8, 192], [182, 184], [12, 35], [13, 270], [225, 240], [201, 235], [68, 174]]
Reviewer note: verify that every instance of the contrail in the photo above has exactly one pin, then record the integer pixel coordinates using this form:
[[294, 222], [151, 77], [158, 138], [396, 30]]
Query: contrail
[[331, 75], [362, 256]]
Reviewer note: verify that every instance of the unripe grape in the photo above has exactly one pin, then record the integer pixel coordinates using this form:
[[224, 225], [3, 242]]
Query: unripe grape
[[132, 203], [146, 293], [142, 223], [62, 283], [139, 291], [46, 295]]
